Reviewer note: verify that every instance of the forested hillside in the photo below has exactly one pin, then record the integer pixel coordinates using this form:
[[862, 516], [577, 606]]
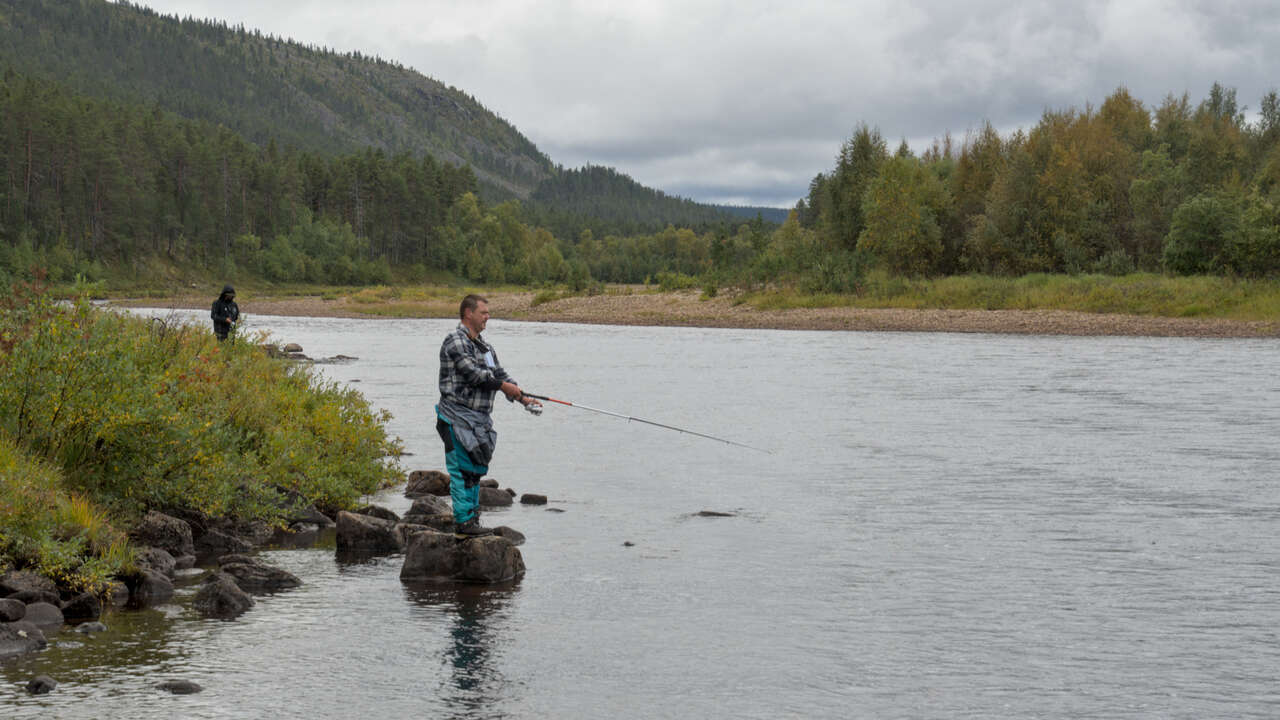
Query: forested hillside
[[263, 87], [605, 201]]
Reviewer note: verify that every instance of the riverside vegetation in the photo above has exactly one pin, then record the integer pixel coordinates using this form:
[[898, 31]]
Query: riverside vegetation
[[105, 416]]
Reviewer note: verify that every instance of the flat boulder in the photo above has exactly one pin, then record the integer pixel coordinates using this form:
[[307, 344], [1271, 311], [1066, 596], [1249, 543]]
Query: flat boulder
[[220, 597], [493, 497], [364, 533], [151, 588], [165, 532], [12, 610], [219, 541], [43, 613], [17, 638], [430, 505], [256, 576], [179, 687], [532, 499], [441, 522], [35, 596], [16, 581], [84, 606], [379, 512], [440, 556], [426, 482]]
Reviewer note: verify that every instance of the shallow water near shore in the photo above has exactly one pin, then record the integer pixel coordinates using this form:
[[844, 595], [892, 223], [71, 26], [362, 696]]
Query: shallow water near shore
[[949, 526]]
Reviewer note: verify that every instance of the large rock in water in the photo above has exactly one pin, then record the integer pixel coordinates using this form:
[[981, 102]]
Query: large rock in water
[[84, 606], [216, 541], [379, 512], [426, 482], [151, 588], [43, 613], [159, 560], [493, 497], [365, 533], [220, 597], [20, 637], [255, 576], [440, 556], [165, 532]]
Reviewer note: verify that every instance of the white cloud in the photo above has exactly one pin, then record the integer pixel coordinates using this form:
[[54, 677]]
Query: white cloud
[[748, 100]]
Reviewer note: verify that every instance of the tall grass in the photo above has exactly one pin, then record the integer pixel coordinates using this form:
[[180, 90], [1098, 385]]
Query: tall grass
[[1136, 294]]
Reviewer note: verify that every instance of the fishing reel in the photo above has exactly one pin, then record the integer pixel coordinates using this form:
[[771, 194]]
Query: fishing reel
[[534, 408]]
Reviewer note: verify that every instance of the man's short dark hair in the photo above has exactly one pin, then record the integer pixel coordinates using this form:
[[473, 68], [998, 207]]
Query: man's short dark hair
[[469, 303]]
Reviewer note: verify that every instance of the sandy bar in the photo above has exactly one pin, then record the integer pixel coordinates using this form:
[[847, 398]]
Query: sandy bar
[[688, 309]]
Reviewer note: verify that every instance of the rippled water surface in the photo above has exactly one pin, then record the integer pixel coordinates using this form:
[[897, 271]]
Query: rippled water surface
[[949, 526]]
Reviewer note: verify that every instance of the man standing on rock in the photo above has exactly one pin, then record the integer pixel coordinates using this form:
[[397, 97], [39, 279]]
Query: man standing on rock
[[470, 374]]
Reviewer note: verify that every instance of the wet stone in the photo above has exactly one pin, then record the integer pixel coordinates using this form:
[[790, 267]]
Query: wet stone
[[179, 687], [41, 685]]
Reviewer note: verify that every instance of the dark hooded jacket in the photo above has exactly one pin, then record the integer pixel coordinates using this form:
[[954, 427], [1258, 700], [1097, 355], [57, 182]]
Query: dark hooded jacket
[[224, 312]]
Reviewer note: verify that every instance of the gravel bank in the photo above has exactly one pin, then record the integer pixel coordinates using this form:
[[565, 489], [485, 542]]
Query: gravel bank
[[687, 309]]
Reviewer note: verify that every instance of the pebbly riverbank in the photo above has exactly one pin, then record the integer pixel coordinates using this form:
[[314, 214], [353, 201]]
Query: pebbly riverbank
[[690, 309]]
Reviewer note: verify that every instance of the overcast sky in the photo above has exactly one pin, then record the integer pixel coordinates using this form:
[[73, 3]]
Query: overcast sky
[[745, 101]]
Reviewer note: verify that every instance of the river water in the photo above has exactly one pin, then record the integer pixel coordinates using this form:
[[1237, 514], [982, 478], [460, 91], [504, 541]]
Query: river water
[[948, 526]]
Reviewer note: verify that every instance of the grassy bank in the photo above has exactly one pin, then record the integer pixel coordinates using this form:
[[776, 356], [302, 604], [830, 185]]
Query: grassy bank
[[104, 416], [1138, 294]]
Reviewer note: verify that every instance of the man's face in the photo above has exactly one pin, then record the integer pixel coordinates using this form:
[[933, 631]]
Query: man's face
[[477, 318]]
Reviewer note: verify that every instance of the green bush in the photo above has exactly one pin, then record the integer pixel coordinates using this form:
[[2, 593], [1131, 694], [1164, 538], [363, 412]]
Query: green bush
[[143, 414], [1200, 231]]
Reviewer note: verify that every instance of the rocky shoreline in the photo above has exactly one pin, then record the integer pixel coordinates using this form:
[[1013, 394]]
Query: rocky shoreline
[[690, 309], [33, 607]]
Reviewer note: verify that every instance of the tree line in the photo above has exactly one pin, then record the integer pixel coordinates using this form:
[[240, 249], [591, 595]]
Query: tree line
[[1182, 188]]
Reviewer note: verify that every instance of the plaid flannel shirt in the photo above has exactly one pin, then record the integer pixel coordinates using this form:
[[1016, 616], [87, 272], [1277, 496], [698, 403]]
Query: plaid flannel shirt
[[467, 378]]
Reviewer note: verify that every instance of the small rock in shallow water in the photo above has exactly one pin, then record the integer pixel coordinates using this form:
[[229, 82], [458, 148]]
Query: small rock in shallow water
[[489, 483], [84, 606], [533, 499], [628, 543], [179, 687], [556, 510], [515, 536], [714, 513], [90, 627], [220, 597], [41, 685]]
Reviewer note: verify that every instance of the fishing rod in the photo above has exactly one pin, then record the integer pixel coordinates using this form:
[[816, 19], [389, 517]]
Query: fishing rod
[[647, 422]]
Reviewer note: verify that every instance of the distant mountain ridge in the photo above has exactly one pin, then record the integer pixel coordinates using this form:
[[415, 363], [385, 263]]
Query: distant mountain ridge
[[263, 87], [271, 89]]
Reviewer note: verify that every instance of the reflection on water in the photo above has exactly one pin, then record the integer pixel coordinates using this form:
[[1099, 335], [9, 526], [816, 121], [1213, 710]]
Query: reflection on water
[[474, 615]]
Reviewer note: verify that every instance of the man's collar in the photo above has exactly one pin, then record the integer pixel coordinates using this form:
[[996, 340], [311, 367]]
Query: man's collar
[[463, 327]]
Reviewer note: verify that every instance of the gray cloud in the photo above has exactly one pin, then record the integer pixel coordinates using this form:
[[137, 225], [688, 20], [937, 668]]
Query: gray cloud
[[746, 101]]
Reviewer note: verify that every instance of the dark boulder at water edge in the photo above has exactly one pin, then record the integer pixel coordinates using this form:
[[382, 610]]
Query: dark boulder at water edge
[[220, 597], [533, 499], [364, 533], [430, 505], [43, 613], [159, 560], [84, 606], [11, 610], [255, 576], [165, 532], [439, 556], [150, 588], [17, 638], [217, 541], [426, 482], [16, 581]]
